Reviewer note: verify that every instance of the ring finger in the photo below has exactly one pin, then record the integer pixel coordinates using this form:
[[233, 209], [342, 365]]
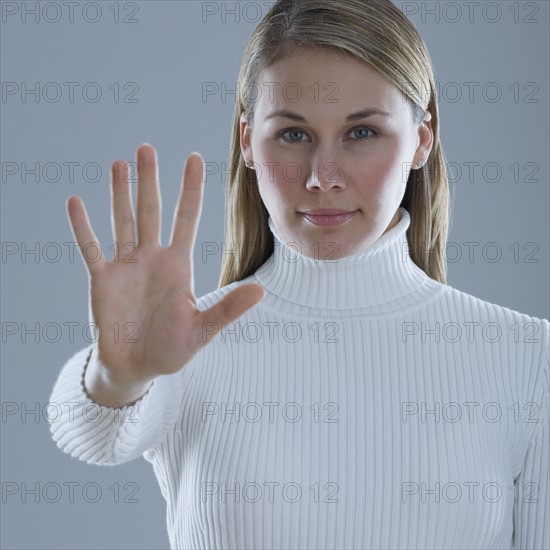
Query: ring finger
[[123, 216]]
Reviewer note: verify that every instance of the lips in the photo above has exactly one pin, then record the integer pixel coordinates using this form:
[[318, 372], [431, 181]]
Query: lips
[[327, 212], [335, 216]]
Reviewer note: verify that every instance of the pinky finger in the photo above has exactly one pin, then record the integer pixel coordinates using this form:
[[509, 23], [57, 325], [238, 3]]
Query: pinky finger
[[90, 249]]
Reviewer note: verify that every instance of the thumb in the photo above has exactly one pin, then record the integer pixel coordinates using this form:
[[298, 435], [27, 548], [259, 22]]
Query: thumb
[[231, 307]]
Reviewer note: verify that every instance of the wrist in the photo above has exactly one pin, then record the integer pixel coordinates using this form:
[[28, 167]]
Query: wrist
[[109, 388]]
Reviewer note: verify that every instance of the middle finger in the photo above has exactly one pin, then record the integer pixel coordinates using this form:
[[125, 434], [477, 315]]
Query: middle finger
[[148, 196]]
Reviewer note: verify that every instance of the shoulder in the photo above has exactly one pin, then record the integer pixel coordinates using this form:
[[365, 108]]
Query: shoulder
[[521, 333], [513, 338], [479, 308]]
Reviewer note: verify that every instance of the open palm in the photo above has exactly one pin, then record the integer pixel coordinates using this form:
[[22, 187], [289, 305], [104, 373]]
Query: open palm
[[143, 299]]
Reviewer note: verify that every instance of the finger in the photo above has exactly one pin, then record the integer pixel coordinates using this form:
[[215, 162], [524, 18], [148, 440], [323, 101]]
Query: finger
[[85, 237], [230, 308], [188, 209], [123, 213], [148, 196]]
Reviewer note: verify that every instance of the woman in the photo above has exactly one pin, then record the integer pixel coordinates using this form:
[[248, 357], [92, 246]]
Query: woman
[[334, 391]]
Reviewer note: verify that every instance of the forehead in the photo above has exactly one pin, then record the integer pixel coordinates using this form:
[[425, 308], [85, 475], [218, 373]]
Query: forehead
[[328, 80]]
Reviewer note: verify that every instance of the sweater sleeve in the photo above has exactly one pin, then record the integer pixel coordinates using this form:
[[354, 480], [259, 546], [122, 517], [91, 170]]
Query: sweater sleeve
[[102, 435], [532, 491]]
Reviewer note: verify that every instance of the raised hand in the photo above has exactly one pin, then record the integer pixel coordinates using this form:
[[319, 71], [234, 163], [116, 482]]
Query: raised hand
[[146, 292]]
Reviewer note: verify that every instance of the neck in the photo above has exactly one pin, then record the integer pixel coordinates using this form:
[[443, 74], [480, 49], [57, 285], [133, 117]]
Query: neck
[[381, 274]]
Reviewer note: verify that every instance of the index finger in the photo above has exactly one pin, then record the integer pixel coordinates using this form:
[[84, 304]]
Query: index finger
[[188, 209]]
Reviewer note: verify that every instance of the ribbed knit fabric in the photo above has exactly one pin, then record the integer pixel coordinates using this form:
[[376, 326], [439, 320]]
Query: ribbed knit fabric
[[360, 404]]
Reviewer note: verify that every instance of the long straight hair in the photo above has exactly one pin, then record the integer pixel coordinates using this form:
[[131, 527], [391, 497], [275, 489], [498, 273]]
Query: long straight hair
[[379, 34]]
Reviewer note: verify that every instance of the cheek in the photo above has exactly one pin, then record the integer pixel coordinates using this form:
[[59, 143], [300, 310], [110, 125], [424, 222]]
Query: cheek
[[278, 178], [374, 177], [276, 191], [386, 171]]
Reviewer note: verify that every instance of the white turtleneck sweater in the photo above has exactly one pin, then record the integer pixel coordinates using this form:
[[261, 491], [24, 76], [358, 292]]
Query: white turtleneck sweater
[[360, 404]]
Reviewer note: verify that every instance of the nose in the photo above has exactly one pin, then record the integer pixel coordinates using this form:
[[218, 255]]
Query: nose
[[324, 174]]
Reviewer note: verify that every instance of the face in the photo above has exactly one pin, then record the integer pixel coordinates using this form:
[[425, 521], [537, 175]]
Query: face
[[313, 157]]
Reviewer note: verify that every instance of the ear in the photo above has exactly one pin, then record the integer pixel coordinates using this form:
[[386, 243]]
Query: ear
[[244, 130], [425, 138]]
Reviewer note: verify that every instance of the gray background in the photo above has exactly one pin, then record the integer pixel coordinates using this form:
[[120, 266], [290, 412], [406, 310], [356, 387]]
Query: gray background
[[170, 51]]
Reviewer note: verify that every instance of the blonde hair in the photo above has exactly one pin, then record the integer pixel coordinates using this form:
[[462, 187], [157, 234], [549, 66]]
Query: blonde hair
[[373, 31]]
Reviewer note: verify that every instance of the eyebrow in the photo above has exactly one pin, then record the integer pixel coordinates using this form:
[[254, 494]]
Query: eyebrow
[[364, 113]]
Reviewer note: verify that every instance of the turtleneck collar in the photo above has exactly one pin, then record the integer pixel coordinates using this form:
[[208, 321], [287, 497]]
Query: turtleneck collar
[[383, 273]]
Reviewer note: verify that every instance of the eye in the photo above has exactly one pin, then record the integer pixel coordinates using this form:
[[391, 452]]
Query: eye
[[295, 130], [282, 134], [364, 128]]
